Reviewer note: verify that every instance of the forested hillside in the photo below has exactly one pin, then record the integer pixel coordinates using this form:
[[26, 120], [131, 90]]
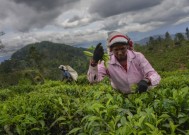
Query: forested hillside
[[61, 108], [167, 54], [42, 60]]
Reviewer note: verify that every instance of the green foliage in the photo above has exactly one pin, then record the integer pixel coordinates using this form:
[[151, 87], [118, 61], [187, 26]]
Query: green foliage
[[34, 76], [57, 107], [23, 76], [166, 57], [44, 57], [164, 54]]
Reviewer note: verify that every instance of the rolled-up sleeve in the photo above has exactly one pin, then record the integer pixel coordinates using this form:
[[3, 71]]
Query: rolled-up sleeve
[[96, 74], [149, 71]]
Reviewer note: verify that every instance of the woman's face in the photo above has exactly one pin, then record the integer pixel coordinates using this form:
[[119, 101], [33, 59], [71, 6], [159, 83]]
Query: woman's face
[[120, 51]]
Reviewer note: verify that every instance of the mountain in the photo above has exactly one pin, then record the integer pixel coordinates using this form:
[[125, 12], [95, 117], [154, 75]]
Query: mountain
[[92, 43], [145, 40], [55, 54], [45, 58], [87, 44], [141, 42]]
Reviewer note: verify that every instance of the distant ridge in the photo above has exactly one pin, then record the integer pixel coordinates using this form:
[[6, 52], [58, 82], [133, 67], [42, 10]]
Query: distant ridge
[[145, 40], [92, 43]]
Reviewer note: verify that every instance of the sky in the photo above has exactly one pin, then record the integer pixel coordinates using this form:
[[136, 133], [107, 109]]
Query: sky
[[77, 21]]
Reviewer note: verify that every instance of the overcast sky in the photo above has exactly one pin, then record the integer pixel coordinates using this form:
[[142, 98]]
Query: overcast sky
[[76, 21]]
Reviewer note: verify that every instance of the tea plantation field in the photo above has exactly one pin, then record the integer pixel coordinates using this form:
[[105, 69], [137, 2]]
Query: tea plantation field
[[58, 108]]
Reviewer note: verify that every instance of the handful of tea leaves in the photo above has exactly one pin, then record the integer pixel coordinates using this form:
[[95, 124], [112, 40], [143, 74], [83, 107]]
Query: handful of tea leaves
[[105, 57]]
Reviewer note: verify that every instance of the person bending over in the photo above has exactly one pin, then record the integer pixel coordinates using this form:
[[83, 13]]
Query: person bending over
[[126, 67]]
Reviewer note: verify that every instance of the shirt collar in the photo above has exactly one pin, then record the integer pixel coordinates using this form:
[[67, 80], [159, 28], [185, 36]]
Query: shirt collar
[[130, 57]]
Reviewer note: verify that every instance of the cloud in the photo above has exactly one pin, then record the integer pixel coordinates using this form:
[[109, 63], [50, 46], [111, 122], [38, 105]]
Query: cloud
[[160, 14], [107, 8], [77, 21], [24, 15], [182, 21], [168, 12], [45, 5]]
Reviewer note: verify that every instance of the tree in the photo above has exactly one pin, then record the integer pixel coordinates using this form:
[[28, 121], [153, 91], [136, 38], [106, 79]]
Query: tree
[[167, 36], [159, 39], [168, 40], [187, 33], [151, 40], [179, 37], [34, 57]]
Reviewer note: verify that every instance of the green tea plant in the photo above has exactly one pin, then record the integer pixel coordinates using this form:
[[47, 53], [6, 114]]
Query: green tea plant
[[82, 108]]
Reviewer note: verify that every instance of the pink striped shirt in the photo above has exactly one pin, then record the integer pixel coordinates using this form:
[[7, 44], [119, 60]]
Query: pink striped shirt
[[138, 68]]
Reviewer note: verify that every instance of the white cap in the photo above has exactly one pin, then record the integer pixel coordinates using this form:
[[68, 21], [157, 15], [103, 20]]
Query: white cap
[[116, 37]]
